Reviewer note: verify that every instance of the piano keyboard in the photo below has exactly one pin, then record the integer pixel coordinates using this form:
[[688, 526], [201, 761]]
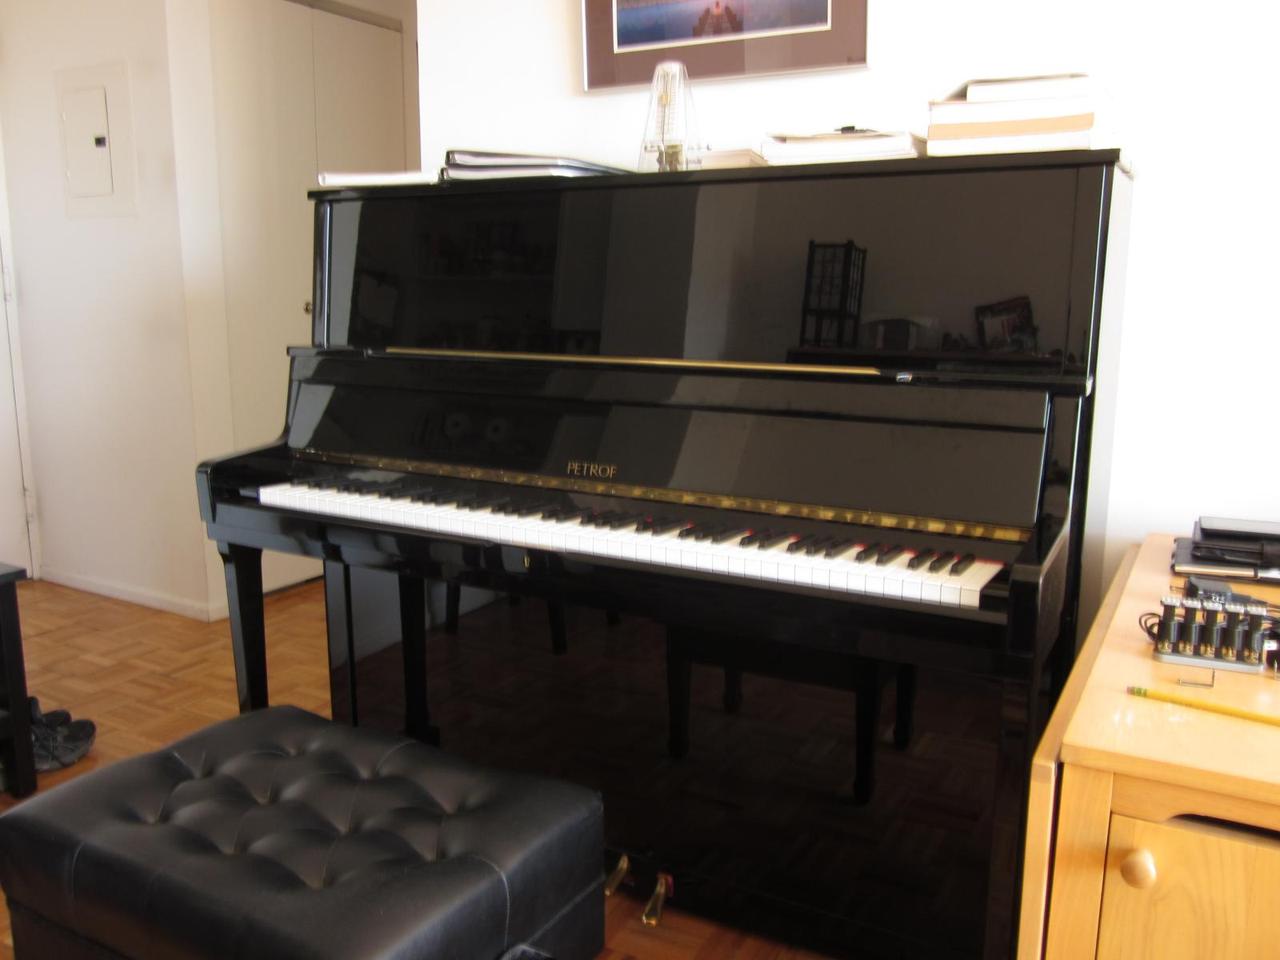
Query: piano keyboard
[[773, 555]]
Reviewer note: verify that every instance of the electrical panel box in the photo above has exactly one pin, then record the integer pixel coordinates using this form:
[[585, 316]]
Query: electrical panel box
[[87, 140], [96, 123]]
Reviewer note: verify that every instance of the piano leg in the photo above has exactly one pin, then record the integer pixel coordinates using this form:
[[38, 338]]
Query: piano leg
[[341, 632], [732, 689], [867, 721], [904, 706], [679, 680], [1018, 735], [452, 600], [243, 569], [555, 615], [413, 645]]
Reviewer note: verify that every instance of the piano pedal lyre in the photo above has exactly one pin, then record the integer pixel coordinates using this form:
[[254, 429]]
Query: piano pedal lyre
[[666, 887], [617, 875]]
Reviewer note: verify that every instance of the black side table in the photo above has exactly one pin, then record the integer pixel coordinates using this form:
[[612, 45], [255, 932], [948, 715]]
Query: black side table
[[15, 714]]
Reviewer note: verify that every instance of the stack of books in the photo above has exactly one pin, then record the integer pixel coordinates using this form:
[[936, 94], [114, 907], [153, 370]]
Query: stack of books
[[1013, 115], [843, 145], [1237, 549], [486, 165]]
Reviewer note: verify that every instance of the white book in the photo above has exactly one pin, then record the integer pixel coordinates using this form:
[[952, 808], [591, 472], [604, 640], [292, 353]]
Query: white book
[[997, 111], [389, 179], [835, 147], [509, 172], [727, 159], [1019, 88], [1024, 143], [488, 158]]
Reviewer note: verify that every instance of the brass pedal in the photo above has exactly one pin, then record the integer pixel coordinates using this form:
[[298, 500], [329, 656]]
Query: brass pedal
[[666, 887], [617, 875]]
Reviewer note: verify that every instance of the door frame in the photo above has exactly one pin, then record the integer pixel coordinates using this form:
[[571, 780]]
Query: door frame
[[9, 329]]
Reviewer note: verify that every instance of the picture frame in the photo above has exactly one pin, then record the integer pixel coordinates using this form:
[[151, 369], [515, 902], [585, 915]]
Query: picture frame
[[1005, 325], [616, 55]]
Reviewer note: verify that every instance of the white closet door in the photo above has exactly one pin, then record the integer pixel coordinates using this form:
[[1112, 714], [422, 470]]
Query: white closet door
[[265, 103], [297, 91], [359, 95], [14, 545]]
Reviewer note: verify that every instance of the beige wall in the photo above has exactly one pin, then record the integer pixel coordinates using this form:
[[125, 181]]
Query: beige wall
[[124, 319], [100, 303]]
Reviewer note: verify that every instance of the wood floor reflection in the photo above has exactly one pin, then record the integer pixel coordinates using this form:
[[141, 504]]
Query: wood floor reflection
[[758, 819]]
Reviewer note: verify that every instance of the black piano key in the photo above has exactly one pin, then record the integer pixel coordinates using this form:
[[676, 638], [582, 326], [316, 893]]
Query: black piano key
[[816, 546], [889, 554], [771, 538], [663, 525], [867, 553], [531, 509], [920, 559], [622, 520], [795, 546], [689, 532], [838, 548], [568, 514], [963, 564], [941, 560], [399, 487], [730, 533]]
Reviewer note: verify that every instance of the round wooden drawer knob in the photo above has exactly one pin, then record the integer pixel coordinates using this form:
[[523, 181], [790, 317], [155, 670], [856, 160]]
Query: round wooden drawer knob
[[1139, 869]]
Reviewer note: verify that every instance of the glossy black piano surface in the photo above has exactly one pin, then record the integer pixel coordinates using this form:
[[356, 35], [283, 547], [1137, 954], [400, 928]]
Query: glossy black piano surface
[[713, 267], [634, 393]]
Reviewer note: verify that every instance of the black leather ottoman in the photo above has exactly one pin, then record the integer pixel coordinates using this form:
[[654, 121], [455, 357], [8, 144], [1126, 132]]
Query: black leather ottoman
[[280, 835]]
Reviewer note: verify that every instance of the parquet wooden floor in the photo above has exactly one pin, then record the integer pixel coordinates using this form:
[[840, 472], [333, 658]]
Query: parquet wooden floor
[[147, 677]]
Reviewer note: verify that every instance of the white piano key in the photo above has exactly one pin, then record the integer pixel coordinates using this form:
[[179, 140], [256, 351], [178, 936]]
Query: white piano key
[[842, 573]]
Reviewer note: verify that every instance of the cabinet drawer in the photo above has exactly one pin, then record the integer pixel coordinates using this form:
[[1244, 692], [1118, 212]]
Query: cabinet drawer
[[1188, 889]]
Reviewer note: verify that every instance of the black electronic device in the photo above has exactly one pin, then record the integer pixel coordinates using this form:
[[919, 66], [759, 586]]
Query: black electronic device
[[1222, 527], [1219, 591], [1204, 631], [1253, 543]]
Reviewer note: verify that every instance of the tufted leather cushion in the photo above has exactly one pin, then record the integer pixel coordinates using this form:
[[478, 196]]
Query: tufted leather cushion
[[279, 834]]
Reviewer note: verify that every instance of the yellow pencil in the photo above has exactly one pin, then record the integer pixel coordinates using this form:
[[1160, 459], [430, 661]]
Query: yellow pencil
[[1206, 705]]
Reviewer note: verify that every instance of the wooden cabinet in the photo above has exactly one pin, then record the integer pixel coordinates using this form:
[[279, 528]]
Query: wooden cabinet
[[1188, 889], [1153, 830]]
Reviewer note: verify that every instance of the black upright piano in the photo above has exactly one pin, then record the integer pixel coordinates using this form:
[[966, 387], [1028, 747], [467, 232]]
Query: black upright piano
[[837, 411]]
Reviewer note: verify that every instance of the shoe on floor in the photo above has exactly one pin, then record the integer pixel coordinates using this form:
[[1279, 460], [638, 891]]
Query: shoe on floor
[[63, 746], [53, 719]]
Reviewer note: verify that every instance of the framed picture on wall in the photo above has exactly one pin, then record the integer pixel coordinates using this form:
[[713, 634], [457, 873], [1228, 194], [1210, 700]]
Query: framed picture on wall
[[625, 39]]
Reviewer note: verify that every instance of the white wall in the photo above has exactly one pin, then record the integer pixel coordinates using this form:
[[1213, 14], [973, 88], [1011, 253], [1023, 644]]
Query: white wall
[[16, 476], [1189, 91], [125, 319], [100, 305]]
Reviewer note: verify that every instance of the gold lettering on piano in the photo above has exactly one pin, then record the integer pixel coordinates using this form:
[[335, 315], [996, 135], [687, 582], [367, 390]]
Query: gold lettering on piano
[[586, 484], [589, 468]]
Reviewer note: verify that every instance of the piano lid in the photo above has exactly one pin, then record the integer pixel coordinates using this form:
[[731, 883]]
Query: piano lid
[[898, 267]]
